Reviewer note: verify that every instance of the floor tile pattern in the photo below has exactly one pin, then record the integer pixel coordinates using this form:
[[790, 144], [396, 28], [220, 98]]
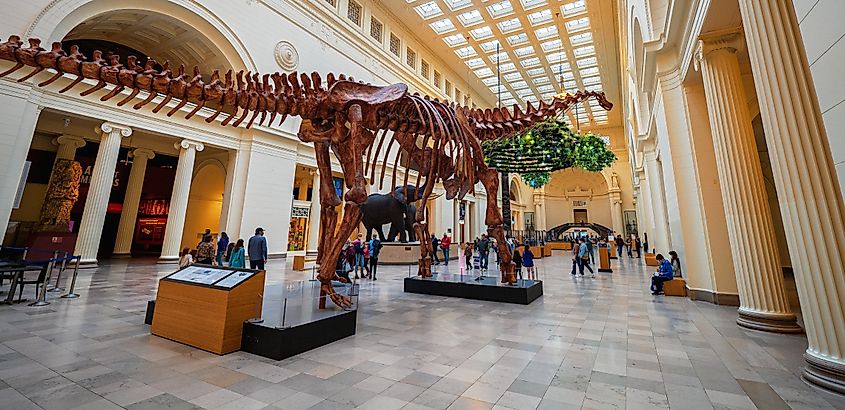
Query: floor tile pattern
[[603, 343]]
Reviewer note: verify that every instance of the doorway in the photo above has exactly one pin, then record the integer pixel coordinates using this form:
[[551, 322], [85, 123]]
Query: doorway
[[580, 215]]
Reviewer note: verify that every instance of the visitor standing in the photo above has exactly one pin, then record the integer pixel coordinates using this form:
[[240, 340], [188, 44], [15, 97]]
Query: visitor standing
[[186, 259], [359, 263], [645, 242], [591, 249], [468, 256], [206, 234], [256, 249], [619, 244], [222, 246], [483, 251], [528, 263], [584, 259], [663, 274], [205, 251], [637, 246], [366, 246], [676, 264], [575, 264], [517, 261], [236, 258], [375, 249], [435, 245], [445, 242]]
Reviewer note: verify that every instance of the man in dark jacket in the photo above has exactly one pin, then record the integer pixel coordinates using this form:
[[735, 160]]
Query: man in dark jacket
[[257, 250], [435, 244], [375, 249], [484, 250]]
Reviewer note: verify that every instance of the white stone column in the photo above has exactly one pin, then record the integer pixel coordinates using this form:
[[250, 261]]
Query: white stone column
[[225, 209], [540, 209], [615, 197], [68, 144], [129, 213], [17, 125], [99, 190], [658, 238], [179, 200], [763, 303], [314, 215], [809, 193]]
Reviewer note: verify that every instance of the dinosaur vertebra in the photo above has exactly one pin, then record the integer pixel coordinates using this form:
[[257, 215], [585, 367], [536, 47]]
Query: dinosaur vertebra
[[347, 117]]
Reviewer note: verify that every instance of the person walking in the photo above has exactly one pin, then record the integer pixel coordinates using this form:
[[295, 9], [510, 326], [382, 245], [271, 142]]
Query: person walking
[[435, 245], [205, 251], [664, 274], [528, 262], [676, 264], [575, 263], [236, 258], [584, 258], [256, 249], [468, 256], [375, 248], [222, 246], [445, 242], [619, 244], [359, 262]]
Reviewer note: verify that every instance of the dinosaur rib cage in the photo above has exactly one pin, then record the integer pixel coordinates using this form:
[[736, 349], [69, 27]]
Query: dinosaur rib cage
[[450, 133]]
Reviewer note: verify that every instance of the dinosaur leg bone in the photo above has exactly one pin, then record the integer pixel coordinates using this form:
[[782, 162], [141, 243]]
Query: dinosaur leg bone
[[490, 179]]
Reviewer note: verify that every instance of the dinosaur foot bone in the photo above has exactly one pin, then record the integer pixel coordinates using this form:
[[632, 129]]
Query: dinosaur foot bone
[[341, 301], [508, 274]]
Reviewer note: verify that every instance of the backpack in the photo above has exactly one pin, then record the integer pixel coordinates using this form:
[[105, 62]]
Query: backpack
[[358, 247]]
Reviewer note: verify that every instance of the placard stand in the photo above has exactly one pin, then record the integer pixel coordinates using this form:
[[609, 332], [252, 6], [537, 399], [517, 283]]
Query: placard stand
[[206, 307]]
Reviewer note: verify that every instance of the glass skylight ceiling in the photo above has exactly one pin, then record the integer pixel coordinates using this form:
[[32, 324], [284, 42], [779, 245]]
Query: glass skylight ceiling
[[541, 47]]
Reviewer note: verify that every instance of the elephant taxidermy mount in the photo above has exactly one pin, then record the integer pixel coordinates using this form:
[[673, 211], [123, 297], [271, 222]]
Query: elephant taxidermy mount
[[396, 208]]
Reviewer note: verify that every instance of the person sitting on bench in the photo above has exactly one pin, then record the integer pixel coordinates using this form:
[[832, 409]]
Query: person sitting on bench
[[664, 273]]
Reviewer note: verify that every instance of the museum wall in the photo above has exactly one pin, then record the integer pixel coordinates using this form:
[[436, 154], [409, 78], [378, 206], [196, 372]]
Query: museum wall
[[572, 185], [820, 22]]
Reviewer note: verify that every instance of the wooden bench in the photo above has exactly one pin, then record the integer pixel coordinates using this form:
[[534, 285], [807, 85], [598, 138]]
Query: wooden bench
[[651, 260], [675, 287]]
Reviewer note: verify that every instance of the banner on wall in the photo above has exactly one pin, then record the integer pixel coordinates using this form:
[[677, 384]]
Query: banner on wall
[[462, 210]]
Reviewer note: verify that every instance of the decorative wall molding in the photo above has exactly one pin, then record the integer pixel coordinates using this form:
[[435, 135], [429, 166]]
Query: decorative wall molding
[[286, 55]]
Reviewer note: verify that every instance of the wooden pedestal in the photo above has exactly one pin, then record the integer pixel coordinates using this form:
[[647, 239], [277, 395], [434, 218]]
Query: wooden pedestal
[[299, 262], [675, 287], [207, 317], [537, 251], [604, 260], [612, 250], [558, 246], [651, 259]]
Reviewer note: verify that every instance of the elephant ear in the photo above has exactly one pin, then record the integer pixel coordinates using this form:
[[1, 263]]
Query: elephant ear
[[400, 196]]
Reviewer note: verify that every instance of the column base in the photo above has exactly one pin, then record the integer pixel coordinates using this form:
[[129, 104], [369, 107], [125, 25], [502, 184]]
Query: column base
[[824, 374], [168, 260], [88, 264], [121, 255], [768, 322]]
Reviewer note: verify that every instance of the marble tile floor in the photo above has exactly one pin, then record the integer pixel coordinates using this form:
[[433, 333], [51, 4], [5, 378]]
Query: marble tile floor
[[603, 343]]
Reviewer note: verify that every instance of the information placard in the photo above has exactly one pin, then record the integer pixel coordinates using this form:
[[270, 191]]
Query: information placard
[[200, 275], [234, 279]]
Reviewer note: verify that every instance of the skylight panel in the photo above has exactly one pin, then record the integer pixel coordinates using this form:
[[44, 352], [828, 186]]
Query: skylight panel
[[509, 25], [559, 68], [428, 10], [588, 72], [596, 87], [518, 39], [524, 93], [508, 102], [530, 62], [490, 81], [556, 57], [530, 4], [540, 17], [573, 8], [500, 9], [581, 38], [570, 85], [466, 52], [474, 63], [457, 4], [519, 85], [587, 62], [546, 32], [545, 89], [591, 80], [470, 17], [481, 33], [568, 75], [508, 67], [578, 24], [535, 72], [503, 56], [511, 77], [455, 40], [484, 72], [524, 51], [550, 46], [584, 51], [442, 26], [489, 46], [498, 88], [541, 80]]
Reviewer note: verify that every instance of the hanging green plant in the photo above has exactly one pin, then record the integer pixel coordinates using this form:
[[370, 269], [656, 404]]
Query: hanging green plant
[[547, 147]]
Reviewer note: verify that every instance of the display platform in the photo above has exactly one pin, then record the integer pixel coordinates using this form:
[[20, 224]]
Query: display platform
[[476, 287], [397, 253], [293, 324]]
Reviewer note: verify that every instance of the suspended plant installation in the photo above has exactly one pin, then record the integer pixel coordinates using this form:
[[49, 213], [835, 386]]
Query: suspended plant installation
[[547, 147]]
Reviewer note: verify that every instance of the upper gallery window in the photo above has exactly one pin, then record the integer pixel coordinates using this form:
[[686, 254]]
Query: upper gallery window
[[411, 58], [353, 12], [424, 68], [376, 28], [333, 3], [394, 45]]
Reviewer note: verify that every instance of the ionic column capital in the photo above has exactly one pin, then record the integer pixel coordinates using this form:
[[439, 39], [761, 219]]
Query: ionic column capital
[[188, 144], [143, 153], [69, 140], [110, 127], [724, 40]]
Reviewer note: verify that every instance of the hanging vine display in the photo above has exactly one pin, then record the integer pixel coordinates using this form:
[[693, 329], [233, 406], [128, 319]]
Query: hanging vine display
[[547, 147]]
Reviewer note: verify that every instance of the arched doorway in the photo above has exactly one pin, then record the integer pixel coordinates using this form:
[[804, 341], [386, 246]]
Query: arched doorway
[[204, 202], [577, 196]]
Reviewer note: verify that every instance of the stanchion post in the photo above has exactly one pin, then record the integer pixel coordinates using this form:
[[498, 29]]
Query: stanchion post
[[41, 298], [56, 287], [70, 294]]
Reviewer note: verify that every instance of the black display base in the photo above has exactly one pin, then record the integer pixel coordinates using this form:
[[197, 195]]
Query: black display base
[[281, 343], [467, 287], [151, 308], [605, 270]]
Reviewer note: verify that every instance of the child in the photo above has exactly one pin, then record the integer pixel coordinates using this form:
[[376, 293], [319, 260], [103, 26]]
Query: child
[[468, 256], [186, 258], [517, 260], [528, 262]]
